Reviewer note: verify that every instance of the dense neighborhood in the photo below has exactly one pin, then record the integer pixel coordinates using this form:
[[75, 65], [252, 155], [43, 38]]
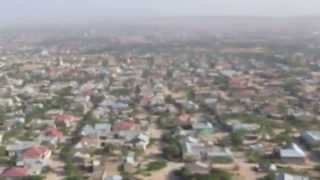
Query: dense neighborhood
[[129, 106]]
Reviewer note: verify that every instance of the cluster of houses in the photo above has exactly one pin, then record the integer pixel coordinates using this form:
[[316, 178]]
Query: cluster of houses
[[120, 134], [90, 102]]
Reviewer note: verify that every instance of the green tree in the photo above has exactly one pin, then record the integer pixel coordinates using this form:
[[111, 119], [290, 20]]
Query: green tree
[[109, 149], [190, 94], [172, 148], [172, 151], [156, 165], [137, 90], [284, 137], [168, 99], [214, 174], [237, 138], [31, 178], [73, 178]]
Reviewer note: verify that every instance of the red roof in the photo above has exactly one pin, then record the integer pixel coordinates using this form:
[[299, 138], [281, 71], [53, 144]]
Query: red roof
[[15, 172], [122, 125], [237, 81], [52, 131], [35, 152], [184, 118], [89, 141], [65, 117], [244, 93]]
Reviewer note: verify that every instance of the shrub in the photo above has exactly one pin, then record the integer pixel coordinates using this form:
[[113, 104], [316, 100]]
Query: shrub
[[237, 138], [156, 165], [172, 148], [214, 174]]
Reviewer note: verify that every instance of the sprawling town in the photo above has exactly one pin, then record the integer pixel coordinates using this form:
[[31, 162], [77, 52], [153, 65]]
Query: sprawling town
[[154, 103]]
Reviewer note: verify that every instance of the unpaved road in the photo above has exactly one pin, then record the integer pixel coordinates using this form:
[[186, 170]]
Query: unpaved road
[[245, 168], [57, 167]]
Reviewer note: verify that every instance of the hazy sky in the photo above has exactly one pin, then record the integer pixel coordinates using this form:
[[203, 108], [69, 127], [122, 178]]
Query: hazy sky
[[13, 11]]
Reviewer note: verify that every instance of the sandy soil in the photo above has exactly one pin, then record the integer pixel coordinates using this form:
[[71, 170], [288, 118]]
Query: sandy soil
[[154, 133], [58, 169], [245, 168], [112, 166], [153, 151]]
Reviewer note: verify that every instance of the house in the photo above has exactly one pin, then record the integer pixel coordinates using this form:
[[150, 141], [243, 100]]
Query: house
[[203, 127], [16, 148], [188, 105], [118, 105], [91, 164], [136, 139], [68, 119], [34, 166], [130, 164], [142, 141], [39, 123], [292, 154], [114, 177], [14, 172], [82, 159], [6, 102], [184, 118], [122, 125], [237, 82], [311, 138], [210, 102], [285, 176], [99, 130], [194, 150], [102, 128], [11, 123], [271, 111], [98, 173], [198, 168], [88, 142], [172, 109], [236, 125], [51, 134], [35, 152], [87, 130]]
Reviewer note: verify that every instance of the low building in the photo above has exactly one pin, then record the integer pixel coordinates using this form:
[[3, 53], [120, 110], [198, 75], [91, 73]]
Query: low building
[[203, 127], [122, 126], [285, 176], [236, 125], [67, 119], [17, 147], [194, 150], [36, 152], [98, 130], [88, 143], [115, 177], [130, 164], [292, 154], [311, 138], [51, 134], [14, 172], [142, 141], [198, 168]]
